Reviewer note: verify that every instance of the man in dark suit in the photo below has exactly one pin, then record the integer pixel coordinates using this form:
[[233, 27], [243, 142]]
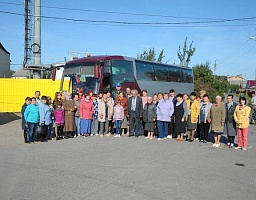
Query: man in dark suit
[[134, 111]]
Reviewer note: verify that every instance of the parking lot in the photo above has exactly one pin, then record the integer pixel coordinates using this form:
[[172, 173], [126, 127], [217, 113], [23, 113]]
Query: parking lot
[[122, 168]]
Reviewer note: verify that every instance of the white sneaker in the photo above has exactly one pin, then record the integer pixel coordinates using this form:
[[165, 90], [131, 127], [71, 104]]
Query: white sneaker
[[75, 136], [214, 145], [96, 134], [165, 138], [217, 145], [169, 136]]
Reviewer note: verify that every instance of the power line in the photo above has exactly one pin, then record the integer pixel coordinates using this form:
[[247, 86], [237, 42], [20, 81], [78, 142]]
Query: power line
[[114, 12], [135, 23]]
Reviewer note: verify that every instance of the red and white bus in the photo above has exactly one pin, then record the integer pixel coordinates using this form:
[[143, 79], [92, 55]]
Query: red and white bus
[[102, 73]]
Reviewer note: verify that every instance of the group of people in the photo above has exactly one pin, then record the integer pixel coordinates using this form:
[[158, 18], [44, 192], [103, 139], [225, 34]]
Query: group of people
[[163, 115]]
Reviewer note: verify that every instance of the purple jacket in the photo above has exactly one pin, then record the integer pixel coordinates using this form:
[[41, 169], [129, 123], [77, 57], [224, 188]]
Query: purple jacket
[[59, 116], [118, 112], [164, 110]]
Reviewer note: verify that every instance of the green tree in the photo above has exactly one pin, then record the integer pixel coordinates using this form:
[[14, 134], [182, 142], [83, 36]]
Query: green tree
[[204, 80], [150, 55], [186, 53], [234, 88]]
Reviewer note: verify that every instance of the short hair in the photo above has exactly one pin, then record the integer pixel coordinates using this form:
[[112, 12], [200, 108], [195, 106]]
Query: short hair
[[165, 93], [185, 94], [44, 98], [134, 90], [144, 91], [253, 92], [203, 92], [37, 91], [242, 98], [76, 94], [33, 98], [28, 98], [94, 95], [160, 93], [193, 94], [206, 95], [149, 97], [171, 91], [59, 104], [218, 97], [179, 95], [231, 95]]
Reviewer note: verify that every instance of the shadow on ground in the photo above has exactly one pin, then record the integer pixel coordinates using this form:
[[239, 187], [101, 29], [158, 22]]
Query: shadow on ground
[[9, 117]]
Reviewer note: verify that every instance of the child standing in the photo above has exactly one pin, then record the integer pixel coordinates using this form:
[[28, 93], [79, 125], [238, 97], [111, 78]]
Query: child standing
[[86, 112], [118, 117], [59, 117]]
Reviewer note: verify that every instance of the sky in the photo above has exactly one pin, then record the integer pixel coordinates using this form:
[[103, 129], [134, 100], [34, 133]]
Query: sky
[[227, 43]]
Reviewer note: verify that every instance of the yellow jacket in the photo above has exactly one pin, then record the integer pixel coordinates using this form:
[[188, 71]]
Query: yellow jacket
[[242, 117], [194, 110]]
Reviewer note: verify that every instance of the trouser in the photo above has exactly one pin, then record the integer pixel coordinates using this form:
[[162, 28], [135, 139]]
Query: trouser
[[44, 132], [198, 132], [134, 121], [231, 139], [59, 131], [242, 137], [86, 126], [118, 124], [253, 109], [204, 130], [77, 122], [95, 126], [162, 128], [50, 130], [171, 126], [32, 131], [104, 126], [25, 133]]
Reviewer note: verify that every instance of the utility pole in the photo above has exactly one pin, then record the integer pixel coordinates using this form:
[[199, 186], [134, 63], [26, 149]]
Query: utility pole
[[254, 38]]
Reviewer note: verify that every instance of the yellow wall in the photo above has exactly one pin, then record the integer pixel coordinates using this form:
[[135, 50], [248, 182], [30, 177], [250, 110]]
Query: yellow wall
[[14, 91]]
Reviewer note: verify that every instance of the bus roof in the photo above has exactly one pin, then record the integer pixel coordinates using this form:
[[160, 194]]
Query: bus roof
[[102, 58], [97, 59]]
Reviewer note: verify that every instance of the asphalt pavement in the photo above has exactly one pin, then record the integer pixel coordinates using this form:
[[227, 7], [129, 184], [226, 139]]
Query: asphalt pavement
[[122, 168]]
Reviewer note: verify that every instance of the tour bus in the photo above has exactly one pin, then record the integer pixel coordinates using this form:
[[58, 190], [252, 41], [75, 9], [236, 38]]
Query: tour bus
[[102, 73]]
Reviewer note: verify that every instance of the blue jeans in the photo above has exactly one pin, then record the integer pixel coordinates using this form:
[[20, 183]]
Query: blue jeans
[[162, 129], [77, 122], [32, 131], [118, 126], [86, 126], [50, 130]]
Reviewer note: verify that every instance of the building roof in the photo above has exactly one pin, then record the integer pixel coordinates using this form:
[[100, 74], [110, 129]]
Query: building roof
[[2, 47], [21, 73]]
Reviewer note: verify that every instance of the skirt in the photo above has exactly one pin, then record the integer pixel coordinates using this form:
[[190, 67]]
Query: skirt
[[150, 126], [191, 126]]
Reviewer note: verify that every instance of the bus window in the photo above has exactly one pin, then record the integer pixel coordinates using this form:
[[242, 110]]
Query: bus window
[[122, 71], [187, 76], [144, 71], [175, 74], [161, 73]]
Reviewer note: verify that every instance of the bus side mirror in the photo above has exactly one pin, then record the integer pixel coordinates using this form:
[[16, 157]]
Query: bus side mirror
[[96, 72], [54, 74]]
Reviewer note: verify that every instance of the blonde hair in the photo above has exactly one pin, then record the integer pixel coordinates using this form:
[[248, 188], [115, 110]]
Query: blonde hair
[[202, 92]]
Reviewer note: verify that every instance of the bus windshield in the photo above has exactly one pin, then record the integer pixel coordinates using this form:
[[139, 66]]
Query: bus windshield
[[82, 76]]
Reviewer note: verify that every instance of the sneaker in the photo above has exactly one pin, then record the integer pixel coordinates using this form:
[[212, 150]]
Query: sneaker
[[228, 144], [217, 145], [117, 136], [151, 138], [201, 140], [97, 134], [146, 138], [169, 136], [214, 145], [75, 136], [101, 135], [91, 135], [205, 141], [160, 139], [165, 138], [238, 148], [244, 149]]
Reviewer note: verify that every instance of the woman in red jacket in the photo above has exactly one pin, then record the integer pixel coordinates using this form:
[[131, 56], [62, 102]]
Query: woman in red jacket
[[86, 112]]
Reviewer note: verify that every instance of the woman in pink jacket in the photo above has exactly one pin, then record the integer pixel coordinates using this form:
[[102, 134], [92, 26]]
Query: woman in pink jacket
[[86, 112], [59, 118], [118, 117]]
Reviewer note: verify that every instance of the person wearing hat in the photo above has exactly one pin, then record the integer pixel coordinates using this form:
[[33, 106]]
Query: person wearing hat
[[116, 92], [193, 113]]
